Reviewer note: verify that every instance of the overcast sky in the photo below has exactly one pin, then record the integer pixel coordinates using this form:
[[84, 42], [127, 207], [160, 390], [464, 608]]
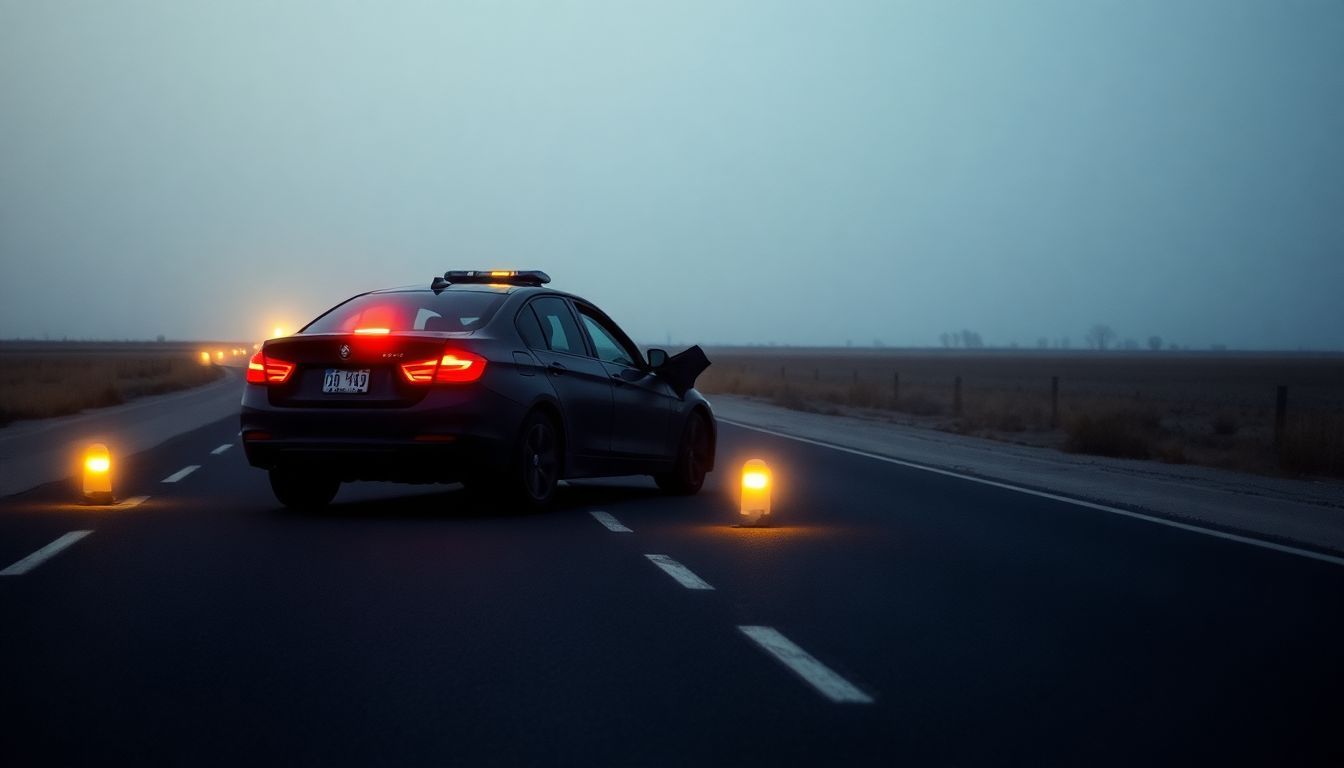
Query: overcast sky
[[804, 173]]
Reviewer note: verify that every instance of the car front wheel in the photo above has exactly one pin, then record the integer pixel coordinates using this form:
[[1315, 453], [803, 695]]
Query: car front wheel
[[693, 456]]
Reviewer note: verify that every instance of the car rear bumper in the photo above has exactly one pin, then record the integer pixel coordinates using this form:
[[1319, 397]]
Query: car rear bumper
[[399, 461], [441, 439]]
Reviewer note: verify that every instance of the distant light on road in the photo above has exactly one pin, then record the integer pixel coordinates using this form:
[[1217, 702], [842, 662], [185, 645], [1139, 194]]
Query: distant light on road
[[756, 481], [205, 358], [277, 332], [219, 354]]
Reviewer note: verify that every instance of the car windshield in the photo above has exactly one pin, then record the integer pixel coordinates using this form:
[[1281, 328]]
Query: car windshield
[[454, 311]]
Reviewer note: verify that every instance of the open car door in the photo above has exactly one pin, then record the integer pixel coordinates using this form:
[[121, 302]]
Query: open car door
[[682, 369]]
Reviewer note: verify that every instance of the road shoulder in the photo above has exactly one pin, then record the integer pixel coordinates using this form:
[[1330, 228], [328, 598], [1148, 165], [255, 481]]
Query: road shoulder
[[36, 452], [1303, 513]]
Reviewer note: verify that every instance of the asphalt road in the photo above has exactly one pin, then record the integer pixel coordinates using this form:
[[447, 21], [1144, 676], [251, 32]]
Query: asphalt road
[[940, 622]]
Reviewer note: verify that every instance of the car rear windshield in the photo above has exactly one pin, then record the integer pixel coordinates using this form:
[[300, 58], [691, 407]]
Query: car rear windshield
[[459, 311]]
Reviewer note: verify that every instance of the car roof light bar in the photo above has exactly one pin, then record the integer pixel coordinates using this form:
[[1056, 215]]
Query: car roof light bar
[[498, 276]]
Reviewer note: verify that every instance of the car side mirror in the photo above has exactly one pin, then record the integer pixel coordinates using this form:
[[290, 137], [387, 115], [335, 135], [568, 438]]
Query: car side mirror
[[657, 357]]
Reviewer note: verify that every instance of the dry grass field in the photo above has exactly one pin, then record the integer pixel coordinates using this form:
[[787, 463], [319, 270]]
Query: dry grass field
[[1215, 409], [40, 380]]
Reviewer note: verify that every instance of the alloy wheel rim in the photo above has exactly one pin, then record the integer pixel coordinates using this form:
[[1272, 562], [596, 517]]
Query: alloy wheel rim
[[696, 451], [539, 461]]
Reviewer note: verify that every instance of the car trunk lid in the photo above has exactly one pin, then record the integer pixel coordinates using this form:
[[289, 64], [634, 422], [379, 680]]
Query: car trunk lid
[[330, 369]]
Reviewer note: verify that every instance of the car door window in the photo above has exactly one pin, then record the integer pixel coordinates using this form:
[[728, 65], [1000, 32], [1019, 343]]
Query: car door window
[[558, 326], [608, 343], [530, 329]]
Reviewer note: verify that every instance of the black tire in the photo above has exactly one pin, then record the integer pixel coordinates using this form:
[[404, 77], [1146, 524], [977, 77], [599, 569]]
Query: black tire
[[530, 482], [303, 489], [693, 455]]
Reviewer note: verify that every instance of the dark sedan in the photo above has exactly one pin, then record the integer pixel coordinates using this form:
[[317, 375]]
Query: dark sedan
[[486, 378]]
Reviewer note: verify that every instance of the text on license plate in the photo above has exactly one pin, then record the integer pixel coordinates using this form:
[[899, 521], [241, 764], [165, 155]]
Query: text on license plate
[[346, 382]]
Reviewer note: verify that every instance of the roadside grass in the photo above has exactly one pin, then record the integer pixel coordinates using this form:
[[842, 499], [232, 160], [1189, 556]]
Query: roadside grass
[[37, 386], [1207, 409], [1315, 446]]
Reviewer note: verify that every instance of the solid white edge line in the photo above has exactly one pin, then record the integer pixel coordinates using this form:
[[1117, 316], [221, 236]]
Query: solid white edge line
[[42, 555], [221, 449], [181, 473], [609, 522], [1284, 548], [683, 575], [803, 664]]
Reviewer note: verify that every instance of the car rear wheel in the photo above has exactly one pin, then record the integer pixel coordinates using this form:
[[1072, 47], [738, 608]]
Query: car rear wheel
[[303, 489], [531, 481], [693, 456]]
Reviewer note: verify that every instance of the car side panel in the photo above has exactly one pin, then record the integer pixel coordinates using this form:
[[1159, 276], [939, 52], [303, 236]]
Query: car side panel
[[642, 427]]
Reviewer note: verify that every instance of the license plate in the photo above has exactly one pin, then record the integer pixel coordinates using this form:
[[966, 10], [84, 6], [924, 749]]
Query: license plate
[[338, 382]]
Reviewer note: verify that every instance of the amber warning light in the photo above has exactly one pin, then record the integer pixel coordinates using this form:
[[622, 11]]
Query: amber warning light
[[97, 475], [756, 482]]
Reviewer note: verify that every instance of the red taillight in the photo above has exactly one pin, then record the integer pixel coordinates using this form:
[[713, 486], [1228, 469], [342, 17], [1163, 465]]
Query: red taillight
[[256, 369], [458, 367], [268, 370], [419, 373], [455, 366]]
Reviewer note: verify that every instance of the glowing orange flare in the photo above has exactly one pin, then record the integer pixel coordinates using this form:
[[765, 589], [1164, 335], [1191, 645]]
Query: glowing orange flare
[[755, 502], [97, 474]]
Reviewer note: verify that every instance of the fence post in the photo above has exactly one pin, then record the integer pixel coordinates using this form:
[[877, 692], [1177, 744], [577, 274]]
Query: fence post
[[1054, 402], [895, 386], [956, 396], [1280, 415]]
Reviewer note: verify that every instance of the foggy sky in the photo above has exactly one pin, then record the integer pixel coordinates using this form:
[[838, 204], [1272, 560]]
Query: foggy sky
[[804, 173]]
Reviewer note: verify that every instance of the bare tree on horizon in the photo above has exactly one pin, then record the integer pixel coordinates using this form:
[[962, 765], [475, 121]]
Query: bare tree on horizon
[[1100, 336]]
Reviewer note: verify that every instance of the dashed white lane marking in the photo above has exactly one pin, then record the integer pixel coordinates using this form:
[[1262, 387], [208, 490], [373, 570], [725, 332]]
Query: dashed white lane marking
[[683, 575], [42, 555], [1055, 497], [221, 449], [133, 501], [181, 473], [816, 674], [609, 522]]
